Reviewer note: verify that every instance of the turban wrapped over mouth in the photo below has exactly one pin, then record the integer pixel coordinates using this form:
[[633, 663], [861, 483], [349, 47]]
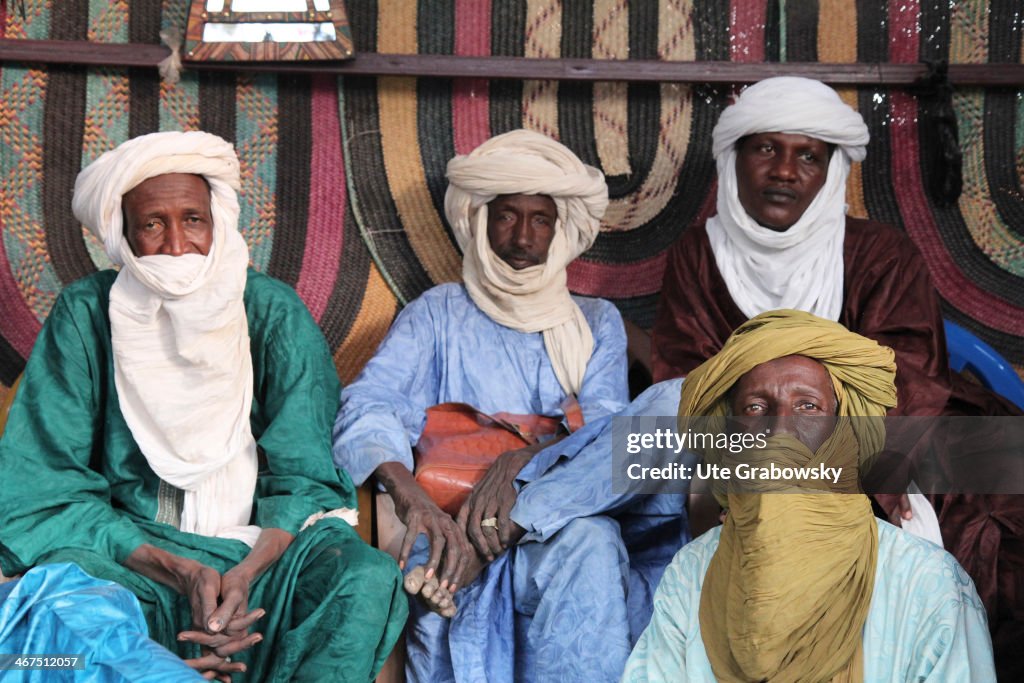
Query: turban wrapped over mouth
[[788, 589], [862, 372], [179, 331]]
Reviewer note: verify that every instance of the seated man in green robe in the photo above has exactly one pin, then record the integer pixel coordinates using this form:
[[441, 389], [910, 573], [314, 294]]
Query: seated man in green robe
[[173, 434]]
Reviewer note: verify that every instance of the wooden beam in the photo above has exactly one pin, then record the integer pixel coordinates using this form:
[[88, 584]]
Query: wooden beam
[[81, 52], [520, 68]]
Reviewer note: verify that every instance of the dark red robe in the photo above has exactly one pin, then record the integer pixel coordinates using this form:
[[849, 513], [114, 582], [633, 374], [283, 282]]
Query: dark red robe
[[887, 296]]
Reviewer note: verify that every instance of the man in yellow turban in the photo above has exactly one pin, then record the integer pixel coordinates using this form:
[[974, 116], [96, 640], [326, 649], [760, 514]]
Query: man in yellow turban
[[781, 239], [806, 585]]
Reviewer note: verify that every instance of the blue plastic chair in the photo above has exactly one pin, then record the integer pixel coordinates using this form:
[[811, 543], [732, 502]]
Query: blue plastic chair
[[966, 351]]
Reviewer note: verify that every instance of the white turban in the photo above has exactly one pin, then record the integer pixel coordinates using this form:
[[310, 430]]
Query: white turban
[[182, 365], [801, 268], [534, 299]]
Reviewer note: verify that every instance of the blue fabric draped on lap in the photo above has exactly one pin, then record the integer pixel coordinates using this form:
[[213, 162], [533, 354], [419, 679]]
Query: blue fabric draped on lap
[[589, 564], [567, 602], [59, 609]]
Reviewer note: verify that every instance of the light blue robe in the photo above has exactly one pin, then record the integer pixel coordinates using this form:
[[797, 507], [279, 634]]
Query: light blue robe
[[442, 348], [573, 480], [926, 621], [57, 609], [555, 607]]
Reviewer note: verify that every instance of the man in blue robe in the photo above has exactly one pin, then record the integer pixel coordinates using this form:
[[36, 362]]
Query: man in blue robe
[[509, 339]]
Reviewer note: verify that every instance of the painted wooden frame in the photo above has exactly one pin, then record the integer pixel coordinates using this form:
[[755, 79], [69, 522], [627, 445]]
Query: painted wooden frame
[[197, 50]]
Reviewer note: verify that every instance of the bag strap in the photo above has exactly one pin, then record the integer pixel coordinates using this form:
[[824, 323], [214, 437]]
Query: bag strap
[[570, 408], [481, 416]]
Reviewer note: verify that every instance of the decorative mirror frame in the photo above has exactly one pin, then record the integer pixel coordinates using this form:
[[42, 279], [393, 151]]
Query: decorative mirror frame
[[198, 51]]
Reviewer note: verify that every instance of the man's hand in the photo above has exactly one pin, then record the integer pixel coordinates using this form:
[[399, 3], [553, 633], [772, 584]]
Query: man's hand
[[228, 641], [234, 600], [896, 506], [220, 604], [492, 499], [217, 648], [200, 584], [203, 586], [225, 631], [449, 548], [212, 667]]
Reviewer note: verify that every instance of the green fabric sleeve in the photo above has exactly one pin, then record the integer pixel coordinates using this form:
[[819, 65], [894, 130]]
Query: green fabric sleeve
[[50, 497], [295, 401]]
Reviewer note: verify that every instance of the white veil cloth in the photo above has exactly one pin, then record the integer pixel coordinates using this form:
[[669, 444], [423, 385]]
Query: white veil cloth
[[535, 299], [800, 268], [182, 364]]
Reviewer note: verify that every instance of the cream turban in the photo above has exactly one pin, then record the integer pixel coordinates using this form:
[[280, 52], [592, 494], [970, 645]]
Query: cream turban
[[535, 299], [800, 268], [100, 186], [788, 104], [182, 365]]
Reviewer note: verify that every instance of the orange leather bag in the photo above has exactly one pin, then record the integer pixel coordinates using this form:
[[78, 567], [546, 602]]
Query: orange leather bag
[[460, 443]]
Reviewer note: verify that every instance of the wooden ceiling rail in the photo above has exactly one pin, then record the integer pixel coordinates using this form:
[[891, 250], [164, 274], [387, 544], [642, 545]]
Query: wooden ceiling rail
[[81, 52], [520, 68]]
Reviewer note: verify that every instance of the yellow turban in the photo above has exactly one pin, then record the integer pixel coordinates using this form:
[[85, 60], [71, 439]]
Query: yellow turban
[[863, 373], [787, 592]]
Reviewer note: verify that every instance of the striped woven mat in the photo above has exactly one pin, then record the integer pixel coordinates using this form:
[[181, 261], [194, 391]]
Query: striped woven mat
[[343, 178]]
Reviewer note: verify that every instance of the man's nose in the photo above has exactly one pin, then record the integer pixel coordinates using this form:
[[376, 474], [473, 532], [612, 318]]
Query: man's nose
[[174, 240], [522, 236], [781, 422], [784, 167]]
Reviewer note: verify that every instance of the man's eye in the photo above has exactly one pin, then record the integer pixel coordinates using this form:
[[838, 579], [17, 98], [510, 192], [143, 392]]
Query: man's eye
[[753, 408], [807, 405], [809, 157], [766, 148]]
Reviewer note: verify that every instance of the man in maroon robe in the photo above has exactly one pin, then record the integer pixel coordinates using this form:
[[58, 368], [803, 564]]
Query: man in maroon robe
[[781, 239]]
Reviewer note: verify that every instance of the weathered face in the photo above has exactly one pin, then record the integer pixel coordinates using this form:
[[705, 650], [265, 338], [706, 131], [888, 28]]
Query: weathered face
[[168, 214], [778, 176], [520, 228], [789, 389]]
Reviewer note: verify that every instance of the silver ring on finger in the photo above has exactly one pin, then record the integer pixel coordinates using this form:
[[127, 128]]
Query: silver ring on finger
[[489, 524]]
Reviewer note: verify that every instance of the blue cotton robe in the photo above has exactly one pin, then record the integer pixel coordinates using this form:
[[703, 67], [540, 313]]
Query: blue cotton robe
[[57, 609], [653, 527], [926, 621], [600, 553], [443, 348]]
